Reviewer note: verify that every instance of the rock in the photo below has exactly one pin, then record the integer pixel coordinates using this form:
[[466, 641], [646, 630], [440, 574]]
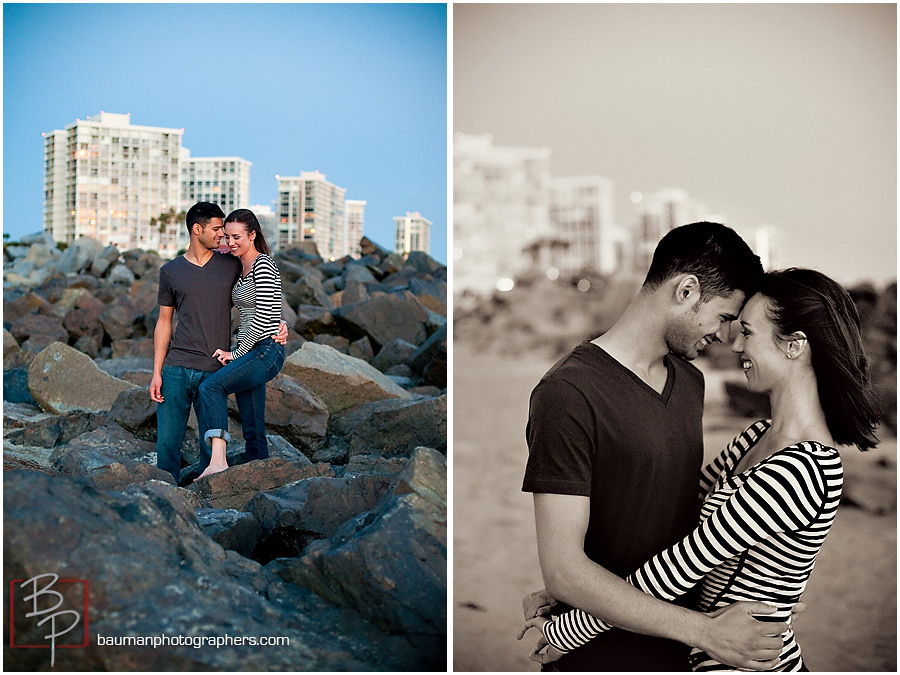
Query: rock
[[387, 317], [29, 303], [121, 318], [123, 542], [293, 516], [33, 326], [232, 529], [84, 322], [394, 352], [134, 411], [10, 344], [355, 292], [398, 428], [339, 380], [313, 320], [280, 447], [15, 387], [375, 464], [422, 262], [306, 291], [53, 373], [90, 454], [52, 430], [103, 260], [369, 247], [389, 563], [336, 342], [235, 487], [133, 348], [78, 256], [19, 360], [296, 413], [362, 349]]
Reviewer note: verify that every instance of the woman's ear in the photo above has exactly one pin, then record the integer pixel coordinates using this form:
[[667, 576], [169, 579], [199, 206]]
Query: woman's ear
[[796, 344]]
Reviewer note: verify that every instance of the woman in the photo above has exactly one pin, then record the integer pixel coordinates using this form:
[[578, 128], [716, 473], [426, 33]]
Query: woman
[[257, 358], [771, 495]]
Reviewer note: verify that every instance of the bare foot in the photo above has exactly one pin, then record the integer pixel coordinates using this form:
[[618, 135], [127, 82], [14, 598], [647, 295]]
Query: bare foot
[[210, 470]]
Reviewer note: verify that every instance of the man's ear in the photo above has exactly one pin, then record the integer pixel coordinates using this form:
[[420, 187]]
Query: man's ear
[[687, 290]]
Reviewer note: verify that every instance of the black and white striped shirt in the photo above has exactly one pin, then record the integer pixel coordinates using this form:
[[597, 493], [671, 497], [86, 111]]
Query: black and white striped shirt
[[258, 297], [759, 533]]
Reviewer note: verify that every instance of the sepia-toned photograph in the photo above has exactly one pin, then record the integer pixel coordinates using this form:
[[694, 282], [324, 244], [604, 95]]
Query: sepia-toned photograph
[[674, 337]]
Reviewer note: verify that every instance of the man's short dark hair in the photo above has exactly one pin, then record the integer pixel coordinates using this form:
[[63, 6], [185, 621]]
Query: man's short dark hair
[[201, 213], [714, 253]]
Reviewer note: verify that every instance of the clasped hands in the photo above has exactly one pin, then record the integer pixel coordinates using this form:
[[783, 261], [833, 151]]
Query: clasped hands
[[537, 608]]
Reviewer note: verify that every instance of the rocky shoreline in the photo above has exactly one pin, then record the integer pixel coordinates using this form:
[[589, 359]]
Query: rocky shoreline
[[338, 540]]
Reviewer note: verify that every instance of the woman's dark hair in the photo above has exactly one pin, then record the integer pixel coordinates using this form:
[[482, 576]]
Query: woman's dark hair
[[714, 253], [808, 301], [249, 220]]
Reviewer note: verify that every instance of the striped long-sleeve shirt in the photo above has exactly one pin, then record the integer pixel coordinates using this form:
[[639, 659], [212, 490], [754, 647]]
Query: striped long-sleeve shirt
[[258, 297], [759, 533]]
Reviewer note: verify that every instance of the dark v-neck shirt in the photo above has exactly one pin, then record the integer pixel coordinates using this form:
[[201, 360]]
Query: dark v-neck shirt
[[595, 429], [201, 297]]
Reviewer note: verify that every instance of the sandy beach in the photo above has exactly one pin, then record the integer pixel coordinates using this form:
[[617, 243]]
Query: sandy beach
[[851, 620]]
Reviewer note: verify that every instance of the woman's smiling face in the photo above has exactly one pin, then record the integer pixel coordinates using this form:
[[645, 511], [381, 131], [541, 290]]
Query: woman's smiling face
[[238, 239], [762, 357]]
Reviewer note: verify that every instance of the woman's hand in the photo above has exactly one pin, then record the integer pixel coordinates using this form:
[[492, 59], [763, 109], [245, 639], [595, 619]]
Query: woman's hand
[[542, 652], [222, 356]]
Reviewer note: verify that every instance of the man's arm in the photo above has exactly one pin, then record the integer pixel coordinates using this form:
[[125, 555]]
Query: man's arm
[[162, 335], [731, 635]]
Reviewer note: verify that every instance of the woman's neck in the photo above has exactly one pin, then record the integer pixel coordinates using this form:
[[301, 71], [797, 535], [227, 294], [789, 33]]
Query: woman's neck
[[797, 411]]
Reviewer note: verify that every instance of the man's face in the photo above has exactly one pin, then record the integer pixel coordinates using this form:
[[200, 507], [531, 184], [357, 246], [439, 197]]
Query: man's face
[[211, 233], [703, 323]]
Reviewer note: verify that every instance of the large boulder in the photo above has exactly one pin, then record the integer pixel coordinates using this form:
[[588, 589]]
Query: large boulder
[[339, 380], [398, 428], [295, 412], [144, 554], [62, 379], [387, 317], [235, 487], [390, 563], [293, 516]]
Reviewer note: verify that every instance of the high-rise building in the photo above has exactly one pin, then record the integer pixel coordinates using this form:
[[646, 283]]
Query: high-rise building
[[311, 209], [221, 180], [267, 221], [108, 179], [657, 214], [413, 233], [583, 235], [500, 207], [354, 225]]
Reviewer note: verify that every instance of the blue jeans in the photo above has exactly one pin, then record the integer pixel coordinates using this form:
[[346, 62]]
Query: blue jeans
[[246, 378], [180, 389]]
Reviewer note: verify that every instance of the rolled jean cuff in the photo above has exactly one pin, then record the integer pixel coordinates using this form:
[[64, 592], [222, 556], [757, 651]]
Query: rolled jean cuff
[[217, 433]]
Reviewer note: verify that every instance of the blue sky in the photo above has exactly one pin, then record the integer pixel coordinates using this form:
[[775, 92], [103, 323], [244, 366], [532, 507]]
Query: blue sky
[[355, 91]]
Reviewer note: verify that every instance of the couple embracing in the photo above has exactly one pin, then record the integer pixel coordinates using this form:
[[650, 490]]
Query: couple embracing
[[673, 566], [197, 365]]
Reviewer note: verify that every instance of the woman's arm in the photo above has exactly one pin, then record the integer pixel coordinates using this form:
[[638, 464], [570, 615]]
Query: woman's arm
[[267, 282], [745, 518]]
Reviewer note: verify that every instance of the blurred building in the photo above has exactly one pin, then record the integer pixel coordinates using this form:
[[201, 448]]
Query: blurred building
[[657, 214], [583, 236], [355, 212], [413, 233], [501, 198], [268, 222], [108, 179], [311, 209]]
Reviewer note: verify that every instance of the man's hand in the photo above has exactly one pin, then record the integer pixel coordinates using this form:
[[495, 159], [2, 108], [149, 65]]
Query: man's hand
[[156, 389], [542, 652], [281, 336], [733, 636], [538, 603]]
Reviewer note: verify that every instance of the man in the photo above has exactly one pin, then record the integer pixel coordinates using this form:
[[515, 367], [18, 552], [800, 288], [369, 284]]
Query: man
[[196, 286], [615, 451]]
